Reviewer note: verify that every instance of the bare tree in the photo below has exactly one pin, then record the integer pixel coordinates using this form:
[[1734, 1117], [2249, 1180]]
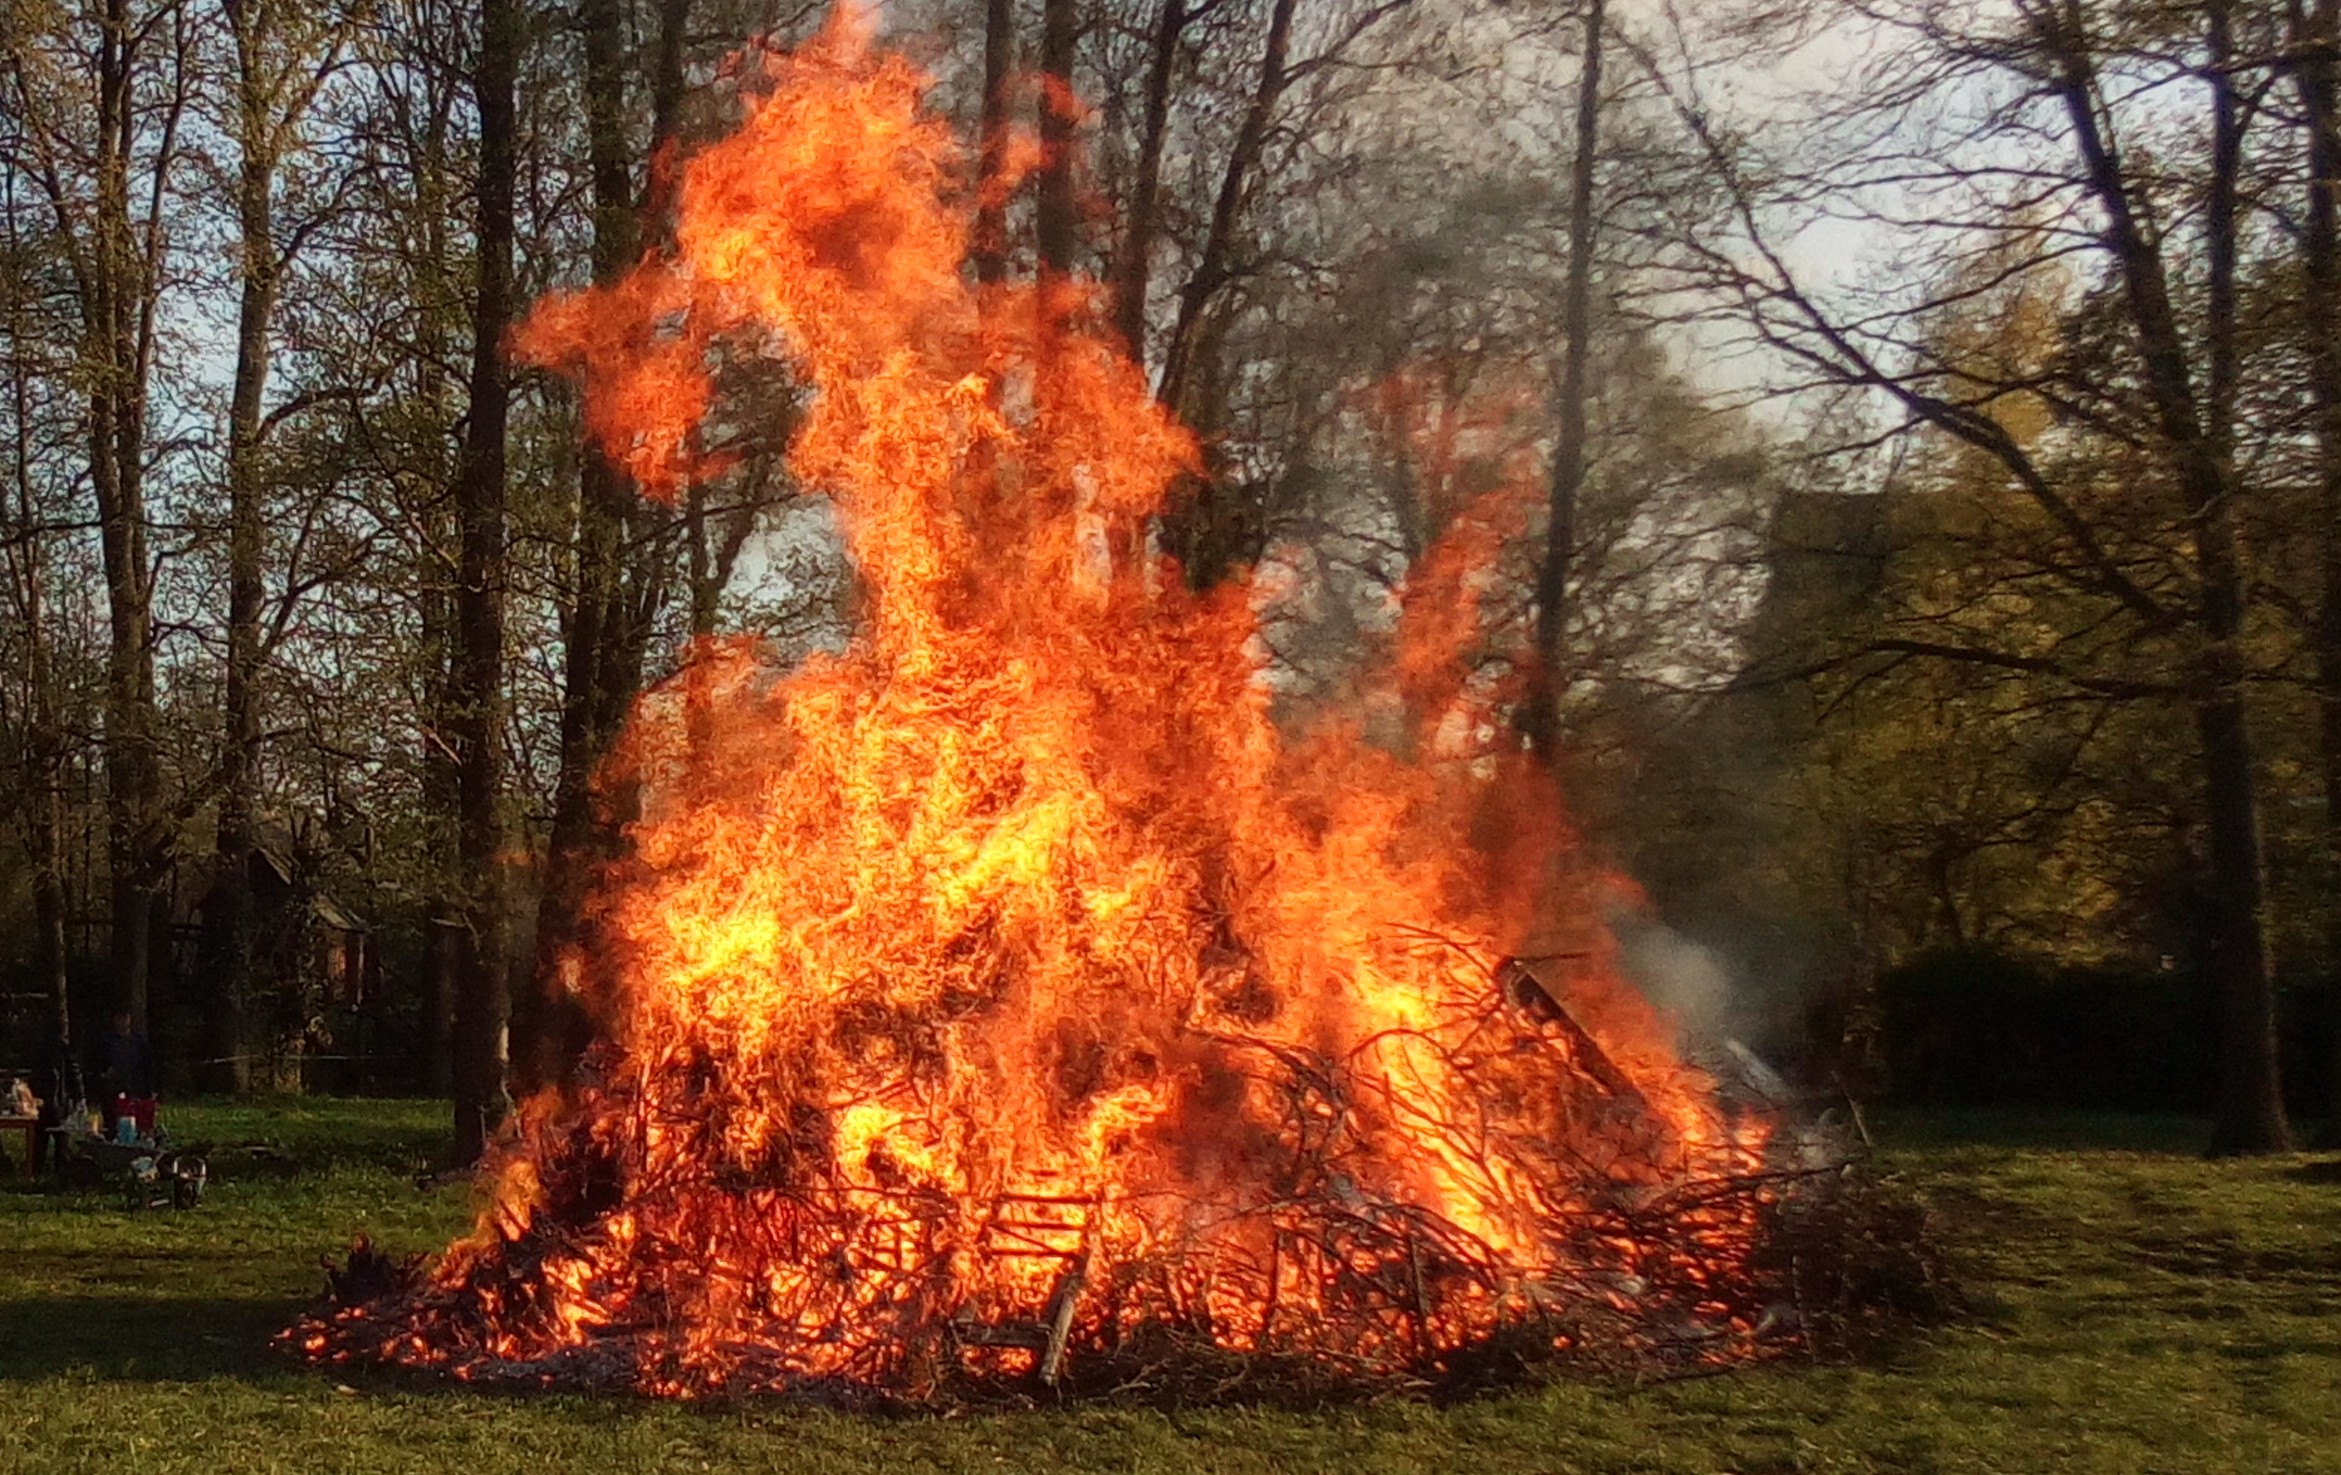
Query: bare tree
[[281, 55], [2165, 389], [1133, 257], [991, 221], [622, 559], [482, 1000], [104, 147], [1566, 477], [2315, 37], [25, 539], [1056, 222]]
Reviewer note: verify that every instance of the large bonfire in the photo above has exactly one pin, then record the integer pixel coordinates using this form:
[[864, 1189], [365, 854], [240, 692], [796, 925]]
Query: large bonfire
[[1007, 997]]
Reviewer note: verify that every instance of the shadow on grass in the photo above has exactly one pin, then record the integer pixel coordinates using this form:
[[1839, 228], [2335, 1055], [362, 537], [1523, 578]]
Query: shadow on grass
[[142, 1338], [129, 1340]]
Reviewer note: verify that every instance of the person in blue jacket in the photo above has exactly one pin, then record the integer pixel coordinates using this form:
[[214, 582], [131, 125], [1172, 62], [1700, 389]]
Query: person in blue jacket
[[126, 1079]]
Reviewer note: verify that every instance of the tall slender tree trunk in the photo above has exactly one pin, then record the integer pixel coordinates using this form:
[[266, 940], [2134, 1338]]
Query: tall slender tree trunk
[[1133, 260], [608, 627], [482, 998], [442, 806], [51, 951], [1214, 265], [2197, 440], [436, 572], [2316, 34], [1210, 541], [280, 55], [240, 735], [45, 749], [1546, 684], [2250, 1116], [2251, 1094], [991, 220], [1055, 220], [118, 294], [587, 633]]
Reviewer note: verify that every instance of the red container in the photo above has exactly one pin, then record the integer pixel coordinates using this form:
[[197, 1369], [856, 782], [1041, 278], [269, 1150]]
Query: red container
[[140, 1110]]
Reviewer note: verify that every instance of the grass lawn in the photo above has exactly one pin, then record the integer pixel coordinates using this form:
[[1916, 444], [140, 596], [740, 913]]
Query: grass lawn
[[2141, 1311]]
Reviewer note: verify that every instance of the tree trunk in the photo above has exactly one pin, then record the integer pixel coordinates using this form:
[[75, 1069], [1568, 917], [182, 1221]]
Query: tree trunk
[[1546, 685], [1213, 268], [2316, 33], [666, 97], [281, 56], [441, 803], [482, 1003], [2197, 439], [240, 734], [2251, 1091], [1133, 263], [1210, 539], [599, 537], [1054, 226], [446, 966], [436, 574], [50, 951], [44, 744], [991, 220], [118, 306], [608, 627], [2250, 1116]]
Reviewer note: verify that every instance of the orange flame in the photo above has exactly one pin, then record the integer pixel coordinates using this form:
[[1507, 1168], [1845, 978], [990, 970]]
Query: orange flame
[[1013, 964]]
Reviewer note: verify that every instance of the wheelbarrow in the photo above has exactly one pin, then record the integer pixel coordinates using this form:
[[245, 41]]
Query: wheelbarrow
[[150, 1174]]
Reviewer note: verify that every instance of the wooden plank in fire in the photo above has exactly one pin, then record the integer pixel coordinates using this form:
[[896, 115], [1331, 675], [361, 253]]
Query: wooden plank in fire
[[1047, 1336], [1057, 1318], [1036, 1224], [1528, 993]]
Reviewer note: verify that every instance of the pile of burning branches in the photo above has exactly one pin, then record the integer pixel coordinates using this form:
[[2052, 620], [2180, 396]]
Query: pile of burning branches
[[1008, 1000], [685, 1268]]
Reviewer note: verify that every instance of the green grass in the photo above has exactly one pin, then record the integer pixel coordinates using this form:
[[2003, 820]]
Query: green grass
[[2140, 1310]]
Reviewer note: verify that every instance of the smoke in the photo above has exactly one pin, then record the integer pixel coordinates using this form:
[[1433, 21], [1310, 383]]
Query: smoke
[[1686, 980]]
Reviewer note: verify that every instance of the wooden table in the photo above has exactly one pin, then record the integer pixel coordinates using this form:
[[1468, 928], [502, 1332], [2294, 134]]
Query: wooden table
[[22, 1137]]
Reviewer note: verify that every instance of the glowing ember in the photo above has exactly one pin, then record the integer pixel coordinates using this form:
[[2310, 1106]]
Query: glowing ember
[[1008, 995]]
